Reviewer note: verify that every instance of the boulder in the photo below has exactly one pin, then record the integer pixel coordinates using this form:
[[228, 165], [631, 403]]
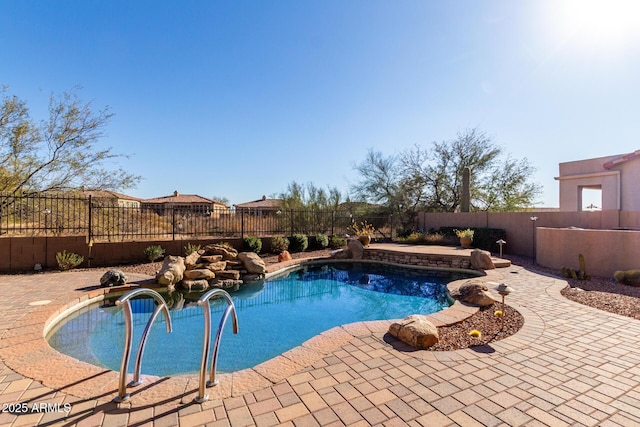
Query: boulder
[[481, 260], [113, 278], [227, 252], [252, 262], [172, 271], [234, 265], [216, 266], [356, 248], [211, 258], [340, 254], [228, 274], [191, 260], [198, 285], [200, 273], [284, 256], [229, 284], [416, 331], [474, 293]]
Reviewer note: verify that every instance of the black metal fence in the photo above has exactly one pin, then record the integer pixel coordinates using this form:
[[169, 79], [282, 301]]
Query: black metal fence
[[110, 219]]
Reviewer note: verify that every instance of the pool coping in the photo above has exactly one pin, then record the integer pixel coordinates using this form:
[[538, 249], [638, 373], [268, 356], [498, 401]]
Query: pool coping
[[25, 350]]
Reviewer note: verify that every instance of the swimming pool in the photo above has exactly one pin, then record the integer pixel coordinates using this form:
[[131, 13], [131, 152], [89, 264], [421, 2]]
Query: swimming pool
[[274, 316]]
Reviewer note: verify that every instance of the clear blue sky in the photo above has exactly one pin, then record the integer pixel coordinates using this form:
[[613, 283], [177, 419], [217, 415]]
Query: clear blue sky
[[239, 98]]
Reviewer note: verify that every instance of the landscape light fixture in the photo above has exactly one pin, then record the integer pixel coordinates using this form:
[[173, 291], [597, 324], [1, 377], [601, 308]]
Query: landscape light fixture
[[504, 290], [501, 242]]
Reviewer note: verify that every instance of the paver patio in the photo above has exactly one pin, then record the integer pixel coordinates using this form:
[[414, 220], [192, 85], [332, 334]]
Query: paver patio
[[569, 365]]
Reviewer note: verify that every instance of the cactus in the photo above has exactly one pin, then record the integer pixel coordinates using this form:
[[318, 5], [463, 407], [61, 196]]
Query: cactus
[[628, 277], [581, 274]]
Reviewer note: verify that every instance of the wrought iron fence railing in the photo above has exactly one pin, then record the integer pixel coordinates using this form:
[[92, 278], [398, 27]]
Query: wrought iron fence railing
[[107, 219]]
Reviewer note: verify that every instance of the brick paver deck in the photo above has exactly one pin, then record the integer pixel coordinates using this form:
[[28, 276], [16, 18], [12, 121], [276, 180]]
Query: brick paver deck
[[569, 365]]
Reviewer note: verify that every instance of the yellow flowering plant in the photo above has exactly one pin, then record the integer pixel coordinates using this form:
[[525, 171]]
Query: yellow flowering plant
[[362, 229]]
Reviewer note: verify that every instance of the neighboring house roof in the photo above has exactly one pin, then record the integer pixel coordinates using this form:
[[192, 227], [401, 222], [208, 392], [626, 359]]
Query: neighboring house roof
[[262, 203], [177, 198], [622, 159], [109, 194]]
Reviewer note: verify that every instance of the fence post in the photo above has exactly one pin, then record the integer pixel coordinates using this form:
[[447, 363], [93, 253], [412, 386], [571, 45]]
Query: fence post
[[242, 224], [292, 221], [333, 220], [89, 231], [173, 223], [391, 226]]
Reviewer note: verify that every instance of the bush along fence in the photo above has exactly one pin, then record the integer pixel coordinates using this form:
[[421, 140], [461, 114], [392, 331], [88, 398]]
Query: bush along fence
[[112, 220]]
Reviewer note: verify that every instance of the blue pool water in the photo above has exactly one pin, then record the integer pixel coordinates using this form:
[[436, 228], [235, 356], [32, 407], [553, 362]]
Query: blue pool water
[[274, 316]]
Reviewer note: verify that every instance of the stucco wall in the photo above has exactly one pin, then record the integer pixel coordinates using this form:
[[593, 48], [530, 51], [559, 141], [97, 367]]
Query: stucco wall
[[23, 253], [605, 251]]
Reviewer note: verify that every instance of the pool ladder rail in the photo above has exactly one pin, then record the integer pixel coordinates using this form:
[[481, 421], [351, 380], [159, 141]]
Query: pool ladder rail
[[231, 309], [128, 321], [162, 307]]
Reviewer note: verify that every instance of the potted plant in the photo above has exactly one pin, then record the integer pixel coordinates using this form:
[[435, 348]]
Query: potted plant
[[364, 231], [466, 237]]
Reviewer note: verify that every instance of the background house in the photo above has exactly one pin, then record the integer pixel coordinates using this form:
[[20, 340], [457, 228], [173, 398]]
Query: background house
[[111, 198], [185, 204], [261, 207]]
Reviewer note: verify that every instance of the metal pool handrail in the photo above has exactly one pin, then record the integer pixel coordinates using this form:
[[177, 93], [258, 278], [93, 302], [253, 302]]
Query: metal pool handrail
[[231, 308], [125, 301]]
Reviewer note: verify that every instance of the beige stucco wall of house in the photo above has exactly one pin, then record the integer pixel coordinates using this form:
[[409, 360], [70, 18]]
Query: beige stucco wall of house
[[605, 251], [620, 183]]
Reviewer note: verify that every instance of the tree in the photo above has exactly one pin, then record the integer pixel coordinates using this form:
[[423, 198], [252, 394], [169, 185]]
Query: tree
[[430, 179], [300, 196], [59, 153]]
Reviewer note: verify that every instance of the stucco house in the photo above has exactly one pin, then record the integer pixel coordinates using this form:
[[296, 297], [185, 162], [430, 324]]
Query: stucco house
[[617, 177], [261, 207], [182, 204]]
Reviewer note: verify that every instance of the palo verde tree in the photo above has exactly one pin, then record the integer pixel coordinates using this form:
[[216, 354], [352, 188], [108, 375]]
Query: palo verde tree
[[430, 178], [58, 153]]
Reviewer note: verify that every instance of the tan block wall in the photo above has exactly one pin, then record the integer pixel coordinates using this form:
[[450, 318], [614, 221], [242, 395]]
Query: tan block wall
[[605, 251]]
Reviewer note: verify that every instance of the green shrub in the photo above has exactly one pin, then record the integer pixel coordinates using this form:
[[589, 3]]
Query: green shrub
[[252, 244], [68, 260], [298, 243], [154, 252], [321, 241], [628, 277], [279, 244], [337, 242], [191, 248], [483, 238]]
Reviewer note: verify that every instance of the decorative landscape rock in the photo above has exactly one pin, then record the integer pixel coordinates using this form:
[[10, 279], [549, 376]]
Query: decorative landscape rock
[[252, 262], [200, 273], [191, 260], [228, 274], [474, 293], [481, 260], [113, 278], [356, 248], [172, 271], [284, 256], [340, 254], [211, 258], [416, 331], [216, 266], [198, 285], [227, 252]]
